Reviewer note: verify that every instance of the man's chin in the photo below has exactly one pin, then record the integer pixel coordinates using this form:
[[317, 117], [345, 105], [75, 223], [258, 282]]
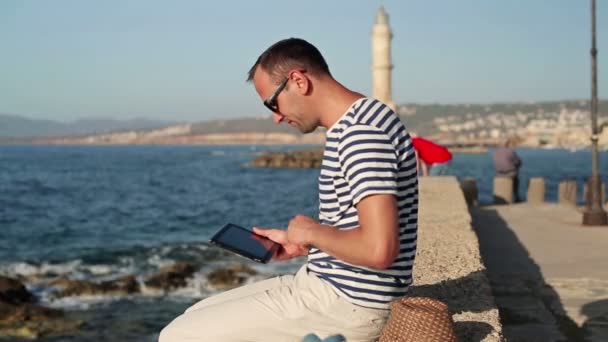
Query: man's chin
[[302, 129], [306, 130]]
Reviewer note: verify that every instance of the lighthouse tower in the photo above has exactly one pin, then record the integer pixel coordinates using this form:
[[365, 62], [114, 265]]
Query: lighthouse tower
[[381, 59]]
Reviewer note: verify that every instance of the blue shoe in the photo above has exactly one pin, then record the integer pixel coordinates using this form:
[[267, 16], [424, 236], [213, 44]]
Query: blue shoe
[[311, 338], [315, 338]]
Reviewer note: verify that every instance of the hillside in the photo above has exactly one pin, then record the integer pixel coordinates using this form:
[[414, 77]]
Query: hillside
[[258, 125], [13, 126], [563, 123], [421, 117]]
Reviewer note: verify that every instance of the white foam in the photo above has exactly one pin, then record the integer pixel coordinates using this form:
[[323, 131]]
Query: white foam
[[80, 302], [166, 250], [195, 288], [101, 269], [25, 269], [128, 264], [159, 262]]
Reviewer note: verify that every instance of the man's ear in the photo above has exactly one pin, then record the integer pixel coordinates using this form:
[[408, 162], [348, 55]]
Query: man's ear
[[301, 81]]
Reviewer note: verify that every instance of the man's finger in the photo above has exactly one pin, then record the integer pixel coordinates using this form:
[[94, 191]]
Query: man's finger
[[275, 235], [262, 232]]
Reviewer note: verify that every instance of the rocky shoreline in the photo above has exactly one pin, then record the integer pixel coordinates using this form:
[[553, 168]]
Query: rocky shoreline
[[312, 158], [22, 315], [452, 273], [309, 158]]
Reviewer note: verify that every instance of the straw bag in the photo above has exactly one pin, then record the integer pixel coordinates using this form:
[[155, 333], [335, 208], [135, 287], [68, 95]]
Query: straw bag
[[418, 319]]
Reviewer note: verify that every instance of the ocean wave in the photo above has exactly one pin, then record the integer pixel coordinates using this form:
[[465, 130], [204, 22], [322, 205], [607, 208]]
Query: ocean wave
[[117, 262], [142, 264], [197, 287], [80, 302], [27, 269], [104, 265]]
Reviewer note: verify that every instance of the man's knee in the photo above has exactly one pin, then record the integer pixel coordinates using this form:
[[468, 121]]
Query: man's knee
[[176, 331], [165, 334], [187, 327], [168, 334]]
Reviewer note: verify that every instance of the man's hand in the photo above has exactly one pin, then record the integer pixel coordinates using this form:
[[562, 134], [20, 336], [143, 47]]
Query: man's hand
[[300, 230], [264, 241], [287, 250], [377, 234]]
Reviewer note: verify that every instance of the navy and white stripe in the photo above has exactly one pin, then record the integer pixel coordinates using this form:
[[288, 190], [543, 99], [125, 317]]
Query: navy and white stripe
[[368, 151]]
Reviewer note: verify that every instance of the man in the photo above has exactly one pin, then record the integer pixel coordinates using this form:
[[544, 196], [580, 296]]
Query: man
[[507, 164], [360, 252], [431, 155]]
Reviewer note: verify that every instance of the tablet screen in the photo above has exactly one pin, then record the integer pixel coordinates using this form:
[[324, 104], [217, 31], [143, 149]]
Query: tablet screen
[[245, 242]]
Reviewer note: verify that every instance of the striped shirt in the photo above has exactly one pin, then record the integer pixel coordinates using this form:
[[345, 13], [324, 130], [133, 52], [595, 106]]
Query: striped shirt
[[367, 151]]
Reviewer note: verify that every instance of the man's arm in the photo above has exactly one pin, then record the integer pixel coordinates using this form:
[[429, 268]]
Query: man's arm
[[516, 160], [425, 168], [375, 243]]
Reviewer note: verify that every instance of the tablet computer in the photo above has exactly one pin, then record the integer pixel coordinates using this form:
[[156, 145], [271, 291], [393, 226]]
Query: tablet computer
[[245, 242]]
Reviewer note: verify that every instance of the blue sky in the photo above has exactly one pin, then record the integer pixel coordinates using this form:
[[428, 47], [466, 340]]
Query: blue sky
[[187, 60]]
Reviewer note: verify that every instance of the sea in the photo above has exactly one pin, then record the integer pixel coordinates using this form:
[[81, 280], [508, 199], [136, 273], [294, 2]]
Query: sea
[[101, 212]]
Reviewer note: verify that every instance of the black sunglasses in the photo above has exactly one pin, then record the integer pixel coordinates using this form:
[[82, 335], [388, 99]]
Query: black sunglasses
[[271, 102]]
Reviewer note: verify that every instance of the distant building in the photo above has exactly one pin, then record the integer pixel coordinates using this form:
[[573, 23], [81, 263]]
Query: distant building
[[381, 59]]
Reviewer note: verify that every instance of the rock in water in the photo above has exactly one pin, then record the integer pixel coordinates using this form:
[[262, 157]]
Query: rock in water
[[20, 317], [72, 287], [13, 291], [172, 277], [311, 158], [230, 277]]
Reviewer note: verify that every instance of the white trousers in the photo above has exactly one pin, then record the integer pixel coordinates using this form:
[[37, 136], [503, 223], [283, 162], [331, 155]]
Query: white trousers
[[284, 308]]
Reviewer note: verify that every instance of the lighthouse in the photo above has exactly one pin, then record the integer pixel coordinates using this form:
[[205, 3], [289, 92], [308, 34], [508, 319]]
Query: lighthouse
[[381, 59]]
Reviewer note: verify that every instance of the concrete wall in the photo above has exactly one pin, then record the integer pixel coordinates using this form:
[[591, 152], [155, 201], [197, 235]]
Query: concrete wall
[[448, 263]]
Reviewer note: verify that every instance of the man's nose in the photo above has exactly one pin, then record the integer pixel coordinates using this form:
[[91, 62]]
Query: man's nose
[[277, 118]]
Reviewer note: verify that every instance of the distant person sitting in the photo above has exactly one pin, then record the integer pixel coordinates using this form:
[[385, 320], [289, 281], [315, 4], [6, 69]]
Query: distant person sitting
[[507, 164], [433, 159]]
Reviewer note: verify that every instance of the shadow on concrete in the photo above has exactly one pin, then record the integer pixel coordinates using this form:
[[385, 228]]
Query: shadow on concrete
[[472, 331], [597, 323], [459, 294], [530, 309], [462, 295], [499, 200]]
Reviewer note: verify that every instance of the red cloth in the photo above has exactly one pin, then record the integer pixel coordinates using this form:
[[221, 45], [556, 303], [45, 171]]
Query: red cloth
[[429, 152]]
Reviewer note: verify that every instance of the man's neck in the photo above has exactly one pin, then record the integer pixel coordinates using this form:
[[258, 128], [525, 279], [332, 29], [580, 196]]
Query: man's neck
[[335, 103]]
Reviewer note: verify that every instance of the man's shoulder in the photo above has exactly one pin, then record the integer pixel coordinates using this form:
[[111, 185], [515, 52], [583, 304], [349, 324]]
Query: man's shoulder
[[369, 106], [370, 113]]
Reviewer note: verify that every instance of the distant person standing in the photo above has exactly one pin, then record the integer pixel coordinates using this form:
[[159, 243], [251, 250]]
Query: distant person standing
[[507, 164], [433, 159]]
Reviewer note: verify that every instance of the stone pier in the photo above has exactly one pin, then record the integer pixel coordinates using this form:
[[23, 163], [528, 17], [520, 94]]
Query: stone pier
[[526, 272], [448, 263], [536, 190], [503, 190], [567, 192], [549, 274]]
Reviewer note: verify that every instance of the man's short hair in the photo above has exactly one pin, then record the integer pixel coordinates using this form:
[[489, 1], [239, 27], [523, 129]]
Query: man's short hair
[[288, 54]]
